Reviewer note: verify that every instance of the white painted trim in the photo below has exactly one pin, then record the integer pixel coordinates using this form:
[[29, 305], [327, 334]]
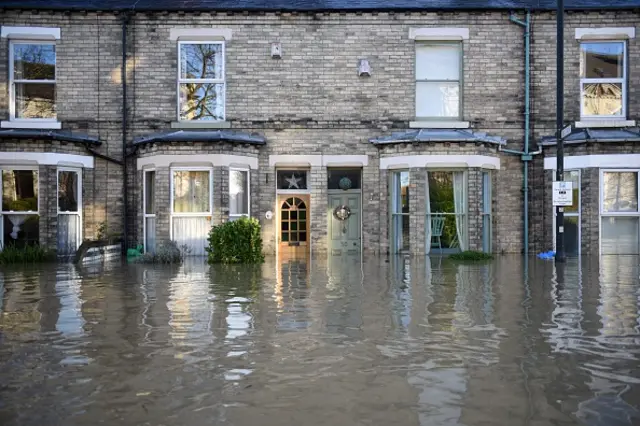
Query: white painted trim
[[30, 33], [220, 160], [439, 124], [31, 124], [200, 124], [620, 161], [437, 161], [204, 34], [47, 159], [318, 160], [604, 123], [248, 172], [619, 33], [440, 33]]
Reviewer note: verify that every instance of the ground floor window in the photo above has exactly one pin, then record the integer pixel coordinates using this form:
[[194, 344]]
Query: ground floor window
[[400, 211], [191, 208], [619, 214], [446, 222], [239, 195], [69, 210], [149, 210], [571, 215], [20, 217], [486, 212]]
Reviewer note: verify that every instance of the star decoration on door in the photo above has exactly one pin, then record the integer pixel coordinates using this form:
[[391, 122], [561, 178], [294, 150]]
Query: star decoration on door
[[293, 181]]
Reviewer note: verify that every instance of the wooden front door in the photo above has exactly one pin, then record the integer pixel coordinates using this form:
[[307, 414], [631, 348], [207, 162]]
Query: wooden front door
[[294, 218]]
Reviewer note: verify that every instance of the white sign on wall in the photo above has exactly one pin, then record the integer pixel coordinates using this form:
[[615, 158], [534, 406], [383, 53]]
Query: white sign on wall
[[562, 194]]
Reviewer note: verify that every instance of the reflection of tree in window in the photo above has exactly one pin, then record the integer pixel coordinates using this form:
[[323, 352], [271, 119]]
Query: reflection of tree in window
[[201, 100], [20, 190], [34, 76]]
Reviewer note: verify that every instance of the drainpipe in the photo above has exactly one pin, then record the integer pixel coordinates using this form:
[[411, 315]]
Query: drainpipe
[[525, 155], [125, 20]]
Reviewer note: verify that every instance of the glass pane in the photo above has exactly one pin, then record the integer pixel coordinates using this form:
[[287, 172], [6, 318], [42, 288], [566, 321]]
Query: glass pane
[[294, 236], [619, 235], [20, 190], [34, 61], [150, 194], [620, 190], [294, 215], [400, 195], [294, 226], [191, 232], [400, 233], [285, 237], [302, 215], [67, 191], [191, 191], [285, 215], [602, 99], [21, 230], [200, 61], [441, 192], [302, 236], [602, 60], [437, 99], [438, 61], [150, 235], [486, 233], [285, 226], [344, 179], [291, 179], [573, 176], [571, 235], [35, 100], [486, 192], [238, 192], [201, 101]]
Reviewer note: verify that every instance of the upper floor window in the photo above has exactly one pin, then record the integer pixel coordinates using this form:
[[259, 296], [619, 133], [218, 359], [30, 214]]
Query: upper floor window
[[201, 81], [603, 79], [32, 80], [438, 78]]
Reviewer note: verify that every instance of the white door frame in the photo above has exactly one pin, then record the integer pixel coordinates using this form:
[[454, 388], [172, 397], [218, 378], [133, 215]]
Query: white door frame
[[79, 198]]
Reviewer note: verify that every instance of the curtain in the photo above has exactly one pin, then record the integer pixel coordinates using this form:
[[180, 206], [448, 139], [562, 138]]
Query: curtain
[[68, 228], [150, 235], [191, 191], [428, 236], [459, 203], [192, 232]]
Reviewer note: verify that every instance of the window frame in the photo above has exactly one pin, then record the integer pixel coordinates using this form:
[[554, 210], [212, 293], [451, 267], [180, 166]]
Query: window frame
[[577, 214], [248, 172], [171, 189], [11, 212], [146, 215], [622, 81], [395, 185], [602, 214], [13, 81], [465, 215], [222, 80], [487, 210], [457, 43]]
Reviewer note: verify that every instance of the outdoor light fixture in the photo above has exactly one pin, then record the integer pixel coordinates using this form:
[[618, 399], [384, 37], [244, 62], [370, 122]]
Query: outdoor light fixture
[[276, 50], [364, 69]]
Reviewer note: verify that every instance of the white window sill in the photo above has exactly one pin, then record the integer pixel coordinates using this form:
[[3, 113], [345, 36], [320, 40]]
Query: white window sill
[[26, 124], [439, 125], [200, 125], [604, 123]]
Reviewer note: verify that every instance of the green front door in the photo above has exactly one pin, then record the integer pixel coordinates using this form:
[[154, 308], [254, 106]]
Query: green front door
[[344, 224]]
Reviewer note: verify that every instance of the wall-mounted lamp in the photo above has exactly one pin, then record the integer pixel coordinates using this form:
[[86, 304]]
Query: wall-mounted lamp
[[276, 50], [364, 69]]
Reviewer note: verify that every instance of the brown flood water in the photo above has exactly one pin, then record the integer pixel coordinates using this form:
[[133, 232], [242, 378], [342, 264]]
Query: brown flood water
[[333, 342]]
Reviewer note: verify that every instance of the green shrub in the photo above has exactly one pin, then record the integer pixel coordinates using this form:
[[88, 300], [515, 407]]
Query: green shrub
[[236, 242], [165, 253], [27, 254], [471, 255]]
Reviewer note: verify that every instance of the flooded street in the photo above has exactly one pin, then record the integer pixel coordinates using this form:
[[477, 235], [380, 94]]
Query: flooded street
[[334, 342]]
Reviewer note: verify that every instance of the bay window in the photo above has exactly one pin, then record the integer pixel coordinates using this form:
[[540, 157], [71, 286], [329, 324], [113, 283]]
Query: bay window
[[486, 212], [438, 78], [619, 214], [69, 210], [191, 208], [238, 193], [446, 224], [400, 211], [201, 81], [32, 80], [603, 79], [20, 219]]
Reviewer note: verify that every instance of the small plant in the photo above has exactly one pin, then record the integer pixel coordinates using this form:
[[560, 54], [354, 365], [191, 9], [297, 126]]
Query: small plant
[[471, 255], [238, 241], [27, 254], [102, 231], [165, 253]]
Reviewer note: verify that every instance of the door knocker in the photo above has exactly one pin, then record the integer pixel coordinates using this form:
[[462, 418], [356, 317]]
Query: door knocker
[[342, 213]]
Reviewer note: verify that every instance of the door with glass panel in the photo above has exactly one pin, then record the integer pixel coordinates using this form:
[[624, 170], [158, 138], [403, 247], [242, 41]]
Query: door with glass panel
[[294, 220], [191, 208], [344, 187], [149, 211], [619, 214]]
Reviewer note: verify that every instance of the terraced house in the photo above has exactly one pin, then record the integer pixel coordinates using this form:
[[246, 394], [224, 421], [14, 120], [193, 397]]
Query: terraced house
[[344, 127]]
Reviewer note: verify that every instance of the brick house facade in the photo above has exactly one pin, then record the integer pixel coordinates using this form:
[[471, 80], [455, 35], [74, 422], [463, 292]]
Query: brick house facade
[[313, 112]]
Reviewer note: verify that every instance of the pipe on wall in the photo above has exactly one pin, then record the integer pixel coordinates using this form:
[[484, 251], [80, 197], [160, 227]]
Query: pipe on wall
[[125, 21]]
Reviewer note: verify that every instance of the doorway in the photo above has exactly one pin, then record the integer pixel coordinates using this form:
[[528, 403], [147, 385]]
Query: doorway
[[293, 229], [344, 211]]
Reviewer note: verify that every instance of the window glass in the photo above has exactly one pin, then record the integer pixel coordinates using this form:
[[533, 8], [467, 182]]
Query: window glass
[[238, 192], [438, 80], [201, 61], [292, 179], [344, 179], [21, 230], [619, 235], [33, 84], [201, 101], [400, 218], [35, 100], [20, 190], [602, 60], [34, 61], [620, 192], [201, 82], [67, 191], [437, 99], [438, 62], [150, 192], [191, 192], [573, 176], [602, 99]]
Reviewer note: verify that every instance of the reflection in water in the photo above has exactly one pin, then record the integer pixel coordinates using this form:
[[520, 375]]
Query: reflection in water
[[411, 341]]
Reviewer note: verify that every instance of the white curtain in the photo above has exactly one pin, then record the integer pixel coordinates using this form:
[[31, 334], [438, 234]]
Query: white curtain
[[150, 235], [68, 229], [428, 236], [459, 204], [192, 232], [191, 191]]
